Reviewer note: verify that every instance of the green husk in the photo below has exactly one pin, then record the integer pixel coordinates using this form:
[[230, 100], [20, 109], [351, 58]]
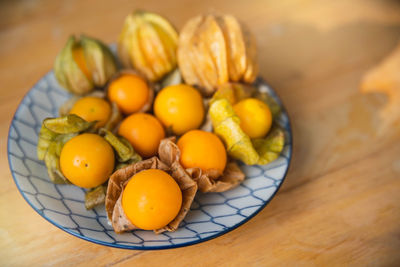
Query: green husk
[[52, 158], [96, 196], [52, 162], [67, 71], [270, 101], [67, 124], [45, 138], [98, 58], [235, 92], [124, 149], [226, 125], [115, 116], [54, 133], [270, 147]]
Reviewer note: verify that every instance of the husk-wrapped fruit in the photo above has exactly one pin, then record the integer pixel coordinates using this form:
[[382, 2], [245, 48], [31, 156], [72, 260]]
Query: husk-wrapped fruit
[[227, 125], [84, 64], [215, 49], [93, 107], [55, 133], [131, 92], [148, 44], [208, 180], [119, 180]]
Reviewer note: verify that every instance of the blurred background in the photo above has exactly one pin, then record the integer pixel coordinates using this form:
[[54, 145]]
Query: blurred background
[[336, 66]]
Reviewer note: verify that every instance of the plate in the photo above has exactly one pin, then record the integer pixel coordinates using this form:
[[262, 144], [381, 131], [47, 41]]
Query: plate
[[211, 215]]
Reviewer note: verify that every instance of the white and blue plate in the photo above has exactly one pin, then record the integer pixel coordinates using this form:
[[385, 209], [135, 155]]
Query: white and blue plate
[[211, 214]]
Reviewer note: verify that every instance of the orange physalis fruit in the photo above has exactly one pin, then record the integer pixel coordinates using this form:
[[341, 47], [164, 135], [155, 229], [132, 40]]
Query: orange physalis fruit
[[87, 160], [204, 150], [92, 109], [255, 117], [130, 92], [179, 107], [144, 132], [151, 199]]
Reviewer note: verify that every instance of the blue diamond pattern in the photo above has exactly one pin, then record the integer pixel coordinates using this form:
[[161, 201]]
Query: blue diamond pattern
[[211, 214]]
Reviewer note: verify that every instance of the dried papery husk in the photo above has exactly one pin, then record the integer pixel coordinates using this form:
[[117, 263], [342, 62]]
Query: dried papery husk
[[235, 45], [215, 49], [149, 104], [120, 178], [148, 43], [184, 53], [251, 56], [207, 181]]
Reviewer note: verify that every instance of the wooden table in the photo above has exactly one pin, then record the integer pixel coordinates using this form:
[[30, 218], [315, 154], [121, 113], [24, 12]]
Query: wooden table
[[340, 204]]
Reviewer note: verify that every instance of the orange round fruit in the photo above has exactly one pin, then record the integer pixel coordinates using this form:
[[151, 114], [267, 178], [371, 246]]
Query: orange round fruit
[[92, 109], [144, 132], [87, 160], [151, 199], [255, 117], [203, 150], [130, 92], [78, 55], [179, 107]]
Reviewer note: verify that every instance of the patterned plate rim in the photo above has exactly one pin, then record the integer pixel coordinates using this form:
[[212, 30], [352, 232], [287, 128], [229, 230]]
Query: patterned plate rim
[[190, 243]]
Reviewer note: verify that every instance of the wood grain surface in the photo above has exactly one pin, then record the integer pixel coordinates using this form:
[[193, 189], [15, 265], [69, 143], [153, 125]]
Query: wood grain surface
[[328, 60]]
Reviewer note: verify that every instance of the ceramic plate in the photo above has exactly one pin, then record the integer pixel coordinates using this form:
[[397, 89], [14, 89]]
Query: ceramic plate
[[211, 214]]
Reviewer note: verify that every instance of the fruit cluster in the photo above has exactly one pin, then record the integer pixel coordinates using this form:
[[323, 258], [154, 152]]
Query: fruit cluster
[[174, 120]]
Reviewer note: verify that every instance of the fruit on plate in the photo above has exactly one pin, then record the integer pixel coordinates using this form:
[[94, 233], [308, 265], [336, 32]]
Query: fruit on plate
[[130, 92], [201, 149], [92, 109], [148, 44], [207, 179], [87, 160], [84, 64], [216, 55], [144, 132], [227, 124], [154, 184], [151, 199], [180, 108], [57, 132], [215, 49], [255, 117]]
